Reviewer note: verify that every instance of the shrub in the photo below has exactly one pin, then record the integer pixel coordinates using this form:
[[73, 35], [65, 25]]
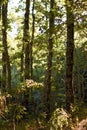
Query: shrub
[[61, 120]]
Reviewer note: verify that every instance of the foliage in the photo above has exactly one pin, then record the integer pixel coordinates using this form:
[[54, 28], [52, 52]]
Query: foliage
[[12, 115], [59, 119], [75, 120], [3, 1], [28, 84], [15, 112], [15, 98]]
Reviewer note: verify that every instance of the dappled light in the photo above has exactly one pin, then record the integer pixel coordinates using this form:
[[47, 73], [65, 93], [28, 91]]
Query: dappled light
[[43, 64]]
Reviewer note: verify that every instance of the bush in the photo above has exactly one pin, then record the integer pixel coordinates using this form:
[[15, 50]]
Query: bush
[[61, 120]]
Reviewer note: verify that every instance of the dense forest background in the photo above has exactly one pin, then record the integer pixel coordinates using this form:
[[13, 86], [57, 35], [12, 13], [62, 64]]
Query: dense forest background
[[43, 64]]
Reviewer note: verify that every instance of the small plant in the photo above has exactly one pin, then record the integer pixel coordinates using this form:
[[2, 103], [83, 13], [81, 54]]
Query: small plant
[[61, 120], [14, 115]]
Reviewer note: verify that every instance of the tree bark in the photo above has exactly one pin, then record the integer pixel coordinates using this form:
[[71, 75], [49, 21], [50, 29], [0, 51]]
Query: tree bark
[[31, 43], [26, 40], [26, 45], [69, 54], [47, 83], [4, 41]]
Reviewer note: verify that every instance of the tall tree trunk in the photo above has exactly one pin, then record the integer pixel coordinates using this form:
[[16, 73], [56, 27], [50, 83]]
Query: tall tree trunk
[[26, 40], [5, 47], [32, 40], [26, 48], [0, 41], [69, 54], [47, 83]]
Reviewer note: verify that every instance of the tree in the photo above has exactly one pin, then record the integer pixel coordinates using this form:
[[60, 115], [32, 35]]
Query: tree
[[26, 48], [69, 54], [47, 83], [3, 81], [26, 40], [32, 40], [5, 55]]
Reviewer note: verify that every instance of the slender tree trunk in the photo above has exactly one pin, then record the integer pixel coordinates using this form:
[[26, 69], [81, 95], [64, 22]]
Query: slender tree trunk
[[22, 64], [26, 40], [3, 77], [69, 54], [47, 83], [5, 47], [31, 43], [26, 48], [3, 82]]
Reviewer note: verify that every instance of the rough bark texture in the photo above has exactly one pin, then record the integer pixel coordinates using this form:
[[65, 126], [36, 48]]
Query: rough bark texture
[[26, 39], [31, 43], [4, 41], [26, 48], [69, 54], [47, 83]]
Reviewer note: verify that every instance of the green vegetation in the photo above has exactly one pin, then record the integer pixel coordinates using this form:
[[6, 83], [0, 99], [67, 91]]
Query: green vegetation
[[43, 65]]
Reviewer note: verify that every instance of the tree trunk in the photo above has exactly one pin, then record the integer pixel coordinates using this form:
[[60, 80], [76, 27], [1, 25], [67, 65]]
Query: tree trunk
[[26, 48], [22, 64], [69, 54], [26, 40], [47, 83], [4, 41], [3, 82], [31, 43], [3, 77]]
